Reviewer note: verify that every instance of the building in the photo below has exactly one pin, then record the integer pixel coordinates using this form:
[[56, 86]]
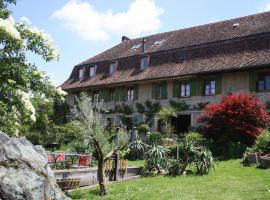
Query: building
[[186, 68]]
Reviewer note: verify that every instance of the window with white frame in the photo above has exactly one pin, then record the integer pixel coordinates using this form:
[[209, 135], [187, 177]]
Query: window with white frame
[[144, 62], [95, 96], [112, 68], [92, 71], [184, 89], [210, 87], [130, 94], [81, 73]]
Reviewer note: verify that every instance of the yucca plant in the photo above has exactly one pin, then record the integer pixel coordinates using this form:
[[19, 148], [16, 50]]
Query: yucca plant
[[203, 161], [137, 148], [157, 152]]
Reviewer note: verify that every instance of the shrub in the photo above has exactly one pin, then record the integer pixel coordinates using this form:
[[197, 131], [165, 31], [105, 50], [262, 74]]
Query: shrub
[[157, 152], [262, 143], [175, 167], [79, 147], [237, 118], [203, 161], [195, 137], [137, 148], [154, 138], [143, 128]]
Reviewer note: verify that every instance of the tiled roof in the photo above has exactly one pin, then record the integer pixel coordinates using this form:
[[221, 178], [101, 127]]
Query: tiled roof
[[249, 25], [225, 62], [205, 34]]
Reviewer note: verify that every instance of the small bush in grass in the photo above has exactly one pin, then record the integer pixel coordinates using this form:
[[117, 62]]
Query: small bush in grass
[[262, 143], [154, 137], [137, 149], [195, 137]]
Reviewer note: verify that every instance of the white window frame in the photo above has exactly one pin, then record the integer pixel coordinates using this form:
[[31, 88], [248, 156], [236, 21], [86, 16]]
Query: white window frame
[[184, 89], [92, 71], [210, 87], [144, 62], [130, 94], [81, 74], [113, 67]]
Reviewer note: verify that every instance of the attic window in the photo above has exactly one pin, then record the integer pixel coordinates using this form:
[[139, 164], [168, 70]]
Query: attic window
[[182, 56], [81, 73], [136, 46], [235, 25], [112, 68], [144, 62], [158, 42], [92, 71]]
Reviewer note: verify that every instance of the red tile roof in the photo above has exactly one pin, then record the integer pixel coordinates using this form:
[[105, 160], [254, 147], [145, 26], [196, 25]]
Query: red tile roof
[[245, 26]]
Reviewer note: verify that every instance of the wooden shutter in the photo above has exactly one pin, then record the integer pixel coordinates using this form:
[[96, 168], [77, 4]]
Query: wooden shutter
[[136, 88], [219, 84], [154, 89], [104, 94], [176, 88], [120, 94], [253, 78], [199, 86], [193, 87], [164, 90]]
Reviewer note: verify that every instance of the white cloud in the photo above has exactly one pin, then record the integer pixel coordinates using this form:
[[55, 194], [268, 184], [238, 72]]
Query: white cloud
[[82, 18], [266, 7]]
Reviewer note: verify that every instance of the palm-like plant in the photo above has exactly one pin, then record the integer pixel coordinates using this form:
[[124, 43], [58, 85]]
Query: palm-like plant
[[203, 161], [137, 148], [157, 152]]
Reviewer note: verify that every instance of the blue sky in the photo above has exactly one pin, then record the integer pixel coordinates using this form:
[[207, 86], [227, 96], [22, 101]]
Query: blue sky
[[83, 28]]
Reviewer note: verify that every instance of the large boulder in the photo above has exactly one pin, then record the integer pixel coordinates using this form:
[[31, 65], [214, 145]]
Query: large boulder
[[24, 172]]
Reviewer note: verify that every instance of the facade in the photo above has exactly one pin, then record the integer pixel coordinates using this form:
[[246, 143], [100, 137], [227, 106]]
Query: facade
[[186, 68]]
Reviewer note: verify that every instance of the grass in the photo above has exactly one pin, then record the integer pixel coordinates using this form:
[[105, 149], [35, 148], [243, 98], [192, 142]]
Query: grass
[[229, 181], [138, 163]]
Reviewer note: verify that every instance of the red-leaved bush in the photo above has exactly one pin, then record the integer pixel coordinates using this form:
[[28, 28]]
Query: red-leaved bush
[[237, 118]]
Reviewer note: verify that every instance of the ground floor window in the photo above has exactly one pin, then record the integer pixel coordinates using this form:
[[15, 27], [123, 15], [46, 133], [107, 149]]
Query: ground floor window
[[130, 94], [264, 82]]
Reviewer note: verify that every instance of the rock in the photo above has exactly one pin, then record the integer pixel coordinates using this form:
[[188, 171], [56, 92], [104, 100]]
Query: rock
[[24, 172]]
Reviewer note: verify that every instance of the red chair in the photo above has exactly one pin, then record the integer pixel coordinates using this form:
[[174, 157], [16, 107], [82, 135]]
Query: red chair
[[84, 161], [60, 157]]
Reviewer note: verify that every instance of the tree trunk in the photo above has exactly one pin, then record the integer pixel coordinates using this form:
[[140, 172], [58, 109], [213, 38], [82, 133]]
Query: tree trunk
[[101, 177]]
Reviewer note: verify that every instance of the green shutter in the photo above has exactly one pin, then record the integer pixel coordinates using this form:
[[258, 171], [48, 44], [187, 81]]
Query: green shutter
[[136, 88], [175, 88], [219, 84], [193, 89], [199, 87], [120, 94], [253, 76], [104, 94], [164, 90], [154, 88]]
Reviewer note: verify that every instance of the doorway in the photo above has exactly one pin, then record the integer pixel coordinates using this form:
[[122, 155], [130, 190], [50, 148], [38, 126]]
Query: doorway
[[181, 123]]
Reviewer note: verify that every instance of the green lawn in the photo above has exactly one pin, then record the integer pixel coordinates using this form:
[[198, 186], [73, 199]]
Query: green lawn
[[229, 181]]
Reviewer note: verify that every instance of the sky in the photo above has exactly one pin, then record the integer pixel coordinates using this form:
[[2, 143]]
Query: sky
[[83, 28]]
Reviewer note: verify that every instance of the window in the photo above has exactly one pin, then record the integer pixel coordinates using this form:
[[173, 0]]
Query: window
[[158, 42], [112, 68], [111, 95], [184, 89], [95, 96], [130, 94], [92, 71], [144, 62], [182, 56], [136, 46], [81, 73], [210, 87], [264, 82], [159, 91]]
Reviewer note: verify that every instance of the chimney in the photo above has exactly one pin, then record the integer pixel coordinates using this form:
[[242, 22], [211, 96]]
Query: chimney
[[125, 38], [143, 45]]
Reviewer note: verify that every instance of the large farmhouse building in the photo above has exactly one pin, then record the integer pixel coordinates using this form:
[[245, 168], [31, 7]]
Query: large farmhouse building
[[186, 68]]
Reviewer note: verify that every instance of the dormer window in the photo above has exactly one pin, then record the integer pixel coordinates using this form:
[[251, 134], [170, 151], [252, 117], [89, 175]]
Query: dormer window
[[92, 71], [81, 73], [182, 56], [158, 42], [144, 62], [136, 46], [112, 68]]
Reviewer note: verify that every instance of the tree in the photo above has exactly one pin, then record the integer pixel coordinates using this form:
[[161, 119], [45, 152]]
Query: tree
[[88, 117], [18, 77], [165, 115], [237, 118]]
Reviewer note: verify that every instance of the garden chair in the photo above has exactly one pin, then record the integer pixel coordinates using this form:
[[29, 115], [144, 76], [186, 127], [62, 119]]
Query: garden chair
[[83, 161]]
